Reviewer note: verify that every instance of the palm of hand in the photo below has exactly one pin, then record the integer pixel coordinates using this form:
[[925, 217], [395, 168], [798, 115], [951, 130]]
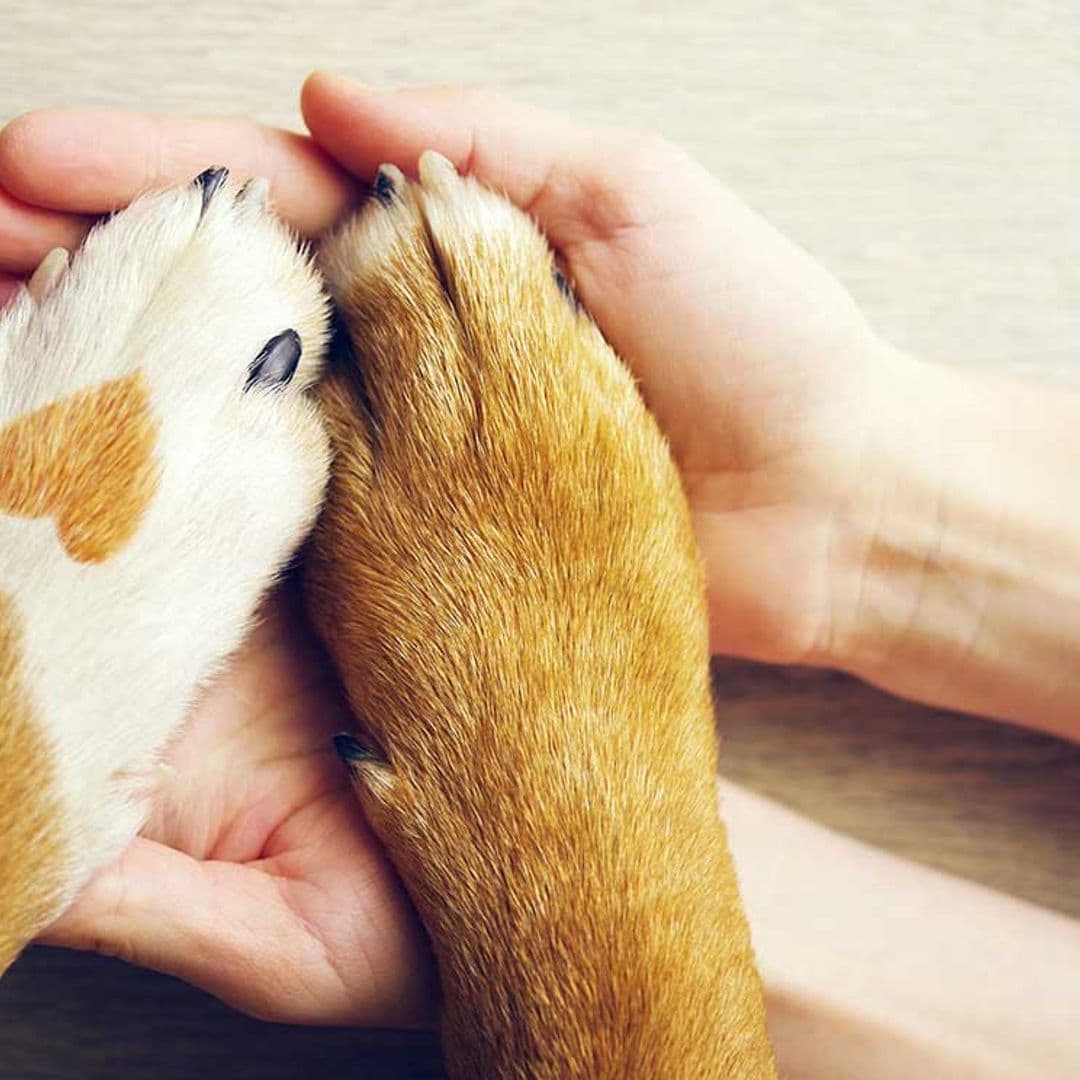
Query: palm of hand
[[759, 367], [256, 844]]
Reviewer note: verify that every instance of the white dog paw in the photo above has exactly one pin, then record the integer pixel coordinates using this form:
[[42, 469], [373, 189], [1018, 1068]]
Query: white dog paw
[[159, 463]]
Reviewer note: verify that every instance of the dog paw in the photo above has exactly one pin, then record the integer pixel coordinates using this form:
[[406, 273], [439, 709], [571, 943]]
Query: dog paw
[[159, 462], [498, 482], [504, 538], [507, 578], [497, 474]]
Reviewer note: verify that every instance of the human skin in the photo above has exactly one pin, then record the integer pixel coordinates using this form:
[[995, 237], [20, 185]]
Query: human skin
[[877, 967], [855, 508], [790, 420]]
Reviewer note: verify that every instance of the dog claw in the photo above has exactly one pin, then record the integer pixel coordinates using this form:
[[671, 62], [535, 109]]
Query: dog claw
[[276, 363], [562, 282], [48, 273], [352, 751], [434, 169], [255, 192], [388, 181], [210, 180]]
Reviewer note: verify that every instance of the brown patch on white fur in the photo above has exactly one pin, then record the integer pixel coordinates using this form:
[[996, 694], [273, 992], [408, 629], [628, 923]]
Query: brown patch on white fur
[[88, 461], [507, 577], [31, 853]]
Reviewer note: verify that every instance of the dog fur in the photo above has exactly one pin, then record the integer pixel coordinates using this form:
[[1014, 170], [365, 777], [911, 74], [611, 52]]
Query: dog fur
[[508, 581], [504, 571], [146, 503]]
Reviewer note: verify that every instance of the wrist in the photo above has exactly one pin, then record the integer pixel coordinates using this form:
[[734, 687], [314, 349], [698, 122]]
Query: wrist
[[887, 514], [954, 572]]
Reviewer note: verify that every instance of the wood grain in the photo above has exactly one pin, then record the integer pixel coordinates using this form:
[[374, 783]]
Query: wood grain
[[982, 800], [926, 152]]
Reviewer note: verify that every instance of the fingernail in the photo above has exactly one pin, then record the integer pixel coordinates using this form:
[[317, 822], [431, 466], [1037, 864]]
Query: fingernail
[[346, 83], [210, 180], [276, 363], [351, 750]]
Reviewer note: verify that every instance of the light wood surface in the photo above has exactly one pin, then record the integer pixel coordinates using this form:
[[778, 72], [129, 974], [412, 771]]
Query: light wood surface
[[926, 152]]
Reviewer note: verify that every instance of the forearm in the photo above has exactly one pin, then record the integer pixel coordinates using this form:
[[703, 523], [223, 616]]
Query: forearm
[[956, 561], [879, 968]]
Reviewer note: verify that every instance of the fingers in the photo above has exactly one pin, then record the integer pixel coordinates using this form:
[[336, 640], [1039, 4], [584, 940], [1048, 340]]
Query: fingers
[[92, 161], [28, 233], [149, 909], [164, 910], [578, 184]]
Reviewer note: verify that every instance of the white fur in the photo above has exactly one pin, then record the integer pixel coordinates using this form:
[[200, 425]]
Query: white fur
[[113, 652]]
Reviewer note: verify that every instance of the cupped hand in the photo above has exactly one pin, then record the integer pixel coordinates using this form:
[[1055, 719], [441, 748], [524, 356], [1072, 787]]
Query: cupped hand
[[756, 362], [257, 878]]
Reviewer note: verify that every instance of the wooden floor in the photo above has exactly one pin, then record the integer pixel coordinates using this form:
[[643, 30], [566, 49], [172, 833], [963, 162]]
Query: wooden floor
[[926, 152]]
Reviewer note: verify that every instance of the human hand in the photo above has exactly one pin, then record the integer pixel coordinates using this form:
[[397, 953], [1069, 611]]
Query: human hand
[[255, 848], [256, 877], [855, 507], [755, 361]]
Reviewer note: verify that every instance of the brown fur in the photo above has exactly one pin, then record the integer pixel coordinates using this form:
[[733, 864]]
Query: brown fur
[[507, 578], [31, 855], [87, 461]]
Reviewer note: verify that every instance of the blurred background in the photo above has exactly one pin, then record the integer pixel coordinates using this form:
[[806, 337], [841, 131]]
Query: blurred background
[[926, 152]]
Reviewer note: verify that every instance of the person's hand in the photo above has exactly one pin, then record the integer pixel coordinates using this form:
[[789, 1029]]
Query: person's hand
[[256, 877], [755, 361], [856, 507]]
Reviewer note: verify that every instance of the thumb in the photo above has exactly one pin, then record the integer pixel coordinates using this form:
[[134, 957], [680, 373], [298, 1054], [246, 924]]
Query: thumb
[[152, 908]]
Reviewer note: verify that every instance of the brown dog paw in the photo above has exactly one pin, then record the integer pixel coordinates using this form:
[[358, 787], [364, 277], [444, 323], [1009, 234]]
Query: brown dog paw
[[507, 578]]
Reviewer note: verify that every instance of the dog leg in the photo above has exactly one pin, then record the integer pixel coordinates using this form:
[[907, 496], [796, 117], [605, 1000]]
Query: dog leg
[[507, 578]]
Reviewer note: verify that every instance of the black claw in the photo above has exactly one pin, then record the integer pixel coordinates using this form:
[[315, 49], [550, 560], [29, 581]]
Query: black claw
[[276, 363], [384, 187], [352, 751], [210, 180], [564, 286]]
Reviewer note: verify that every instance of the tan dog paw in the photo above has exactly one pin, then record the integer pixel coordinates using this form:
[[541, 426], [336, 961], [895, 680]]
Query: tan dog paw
[[507, 577]]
